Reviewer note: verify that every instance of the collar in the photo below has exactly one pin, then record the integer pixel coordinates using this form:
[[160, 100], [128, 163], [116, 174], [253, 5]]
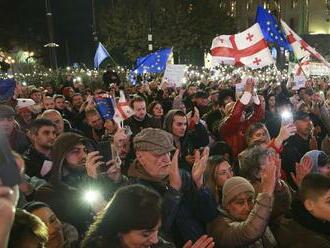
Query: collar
[[303, 217]]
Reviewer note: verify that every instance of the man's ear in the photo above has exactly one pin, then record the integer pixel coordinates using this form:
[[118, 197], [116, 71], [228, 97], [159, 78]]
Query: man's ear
[[139, 156], [309, 205]]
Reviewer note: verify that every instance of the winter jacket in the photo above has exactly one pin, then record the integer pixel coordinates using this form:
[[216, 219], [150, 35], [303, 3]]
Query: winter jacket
[[34, 162], [185, 212], [66, 201], [252, 233], [232, 130], [303, 230], [137, 125], [294, 149]]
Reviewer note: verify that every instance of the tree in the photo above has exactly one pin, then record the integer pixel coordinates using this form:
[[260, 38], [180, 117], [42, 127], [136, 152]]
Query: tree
[[187, 26]]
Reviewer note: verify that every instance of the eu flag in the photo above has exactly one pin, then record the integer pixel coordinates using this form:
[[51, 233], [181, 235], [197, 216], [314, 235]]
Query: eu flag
[[105, 107], [100, 55], [271, 29], [153, 62]]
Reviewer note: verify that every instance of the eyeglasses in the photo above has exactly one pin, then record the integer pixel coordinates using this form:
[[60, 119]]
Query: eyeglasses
[[224, 172]]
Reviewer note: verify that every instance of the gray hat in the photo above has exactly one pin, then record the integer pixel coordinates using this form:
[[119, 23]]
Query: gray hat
[[154, 140], [6, 111], [233, 187]]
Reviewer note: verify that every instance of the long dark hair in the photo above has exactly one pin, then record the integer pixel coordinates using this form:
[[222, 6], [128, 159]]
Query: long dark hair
[[133, 207]]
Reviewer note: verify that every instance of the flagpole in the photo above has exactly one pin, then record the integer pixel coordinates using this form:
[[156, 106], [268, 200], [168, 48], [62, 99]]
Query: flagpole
[[300, 66]]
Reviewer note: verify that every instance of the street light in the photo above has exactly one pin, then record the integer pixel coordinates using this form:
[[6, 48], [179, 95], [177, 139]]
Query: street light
[[51, 45]]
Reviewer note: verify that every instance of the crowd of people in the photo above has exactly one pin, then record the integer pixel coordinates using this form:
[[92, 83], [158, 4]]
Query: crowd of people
[[196, 166]]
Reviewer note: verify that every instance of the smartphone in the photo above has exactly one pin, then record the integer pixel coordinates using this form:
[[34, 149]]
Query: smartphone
[[287, 118], [105, 149], [9, 173]]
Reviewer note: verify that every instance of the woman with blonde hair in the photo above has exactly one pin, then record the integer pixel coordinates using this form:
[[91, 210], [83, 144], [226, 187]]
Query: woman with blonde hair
[[218, 171]]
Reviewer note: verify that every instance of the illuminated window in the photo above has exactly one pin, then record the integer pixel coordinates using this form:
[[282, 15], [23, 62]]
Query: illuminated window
[[233, 8], [294, 4]]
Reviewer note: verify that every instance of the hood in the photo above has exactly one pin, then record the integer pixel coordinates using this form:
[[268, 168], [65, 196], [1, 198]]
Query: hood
[[64, 143], [168, 120], [314, 156]]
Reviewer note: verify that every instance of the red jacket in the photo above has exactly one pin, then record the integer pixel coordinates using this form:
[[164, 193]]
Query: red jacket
[[233, 130]]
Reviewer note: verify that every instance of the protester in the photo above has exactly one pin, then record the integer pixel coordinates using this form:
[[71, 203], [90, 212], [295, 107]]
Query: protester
[[67, 182], [29, 230], [54, 116], [218, 171], [95, 125], [252, 163], [59, 235], [189, 206], [244, 219], [17, 139], [188, 137], [137, 225], [155, 109], [48, 103], [234, 125], [37, 157], [297, 145], [141, 119], [310, 223]]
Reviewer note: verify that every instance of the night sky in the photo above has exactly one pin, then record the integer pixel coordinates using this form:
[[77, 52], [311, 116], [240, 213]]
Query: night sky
[[23, 25]]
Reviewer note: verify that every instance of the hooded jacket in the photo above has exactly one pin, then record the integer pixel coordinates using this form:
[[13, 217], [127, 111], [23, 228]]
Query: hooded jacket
[[65, 200], [193, 139]]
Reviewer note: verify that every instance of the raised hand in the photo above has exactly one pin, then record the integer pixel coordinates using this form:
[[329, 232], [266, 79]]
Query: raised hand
[[199, 167], [302, 170], [93, 163], [203, 242], [268, 179], [286, 131], [174, 172], [114, 171]]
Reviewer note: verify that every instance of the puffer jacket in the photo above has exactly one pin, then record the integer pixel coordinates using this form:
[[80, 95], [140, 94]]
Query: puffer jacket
[[252, 233]]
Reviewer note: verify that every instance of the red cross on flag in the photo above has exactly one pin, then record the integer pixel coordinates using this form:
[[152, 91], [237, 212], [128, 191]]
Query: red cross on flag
[[300, 48], [248, 48], [122, 109]]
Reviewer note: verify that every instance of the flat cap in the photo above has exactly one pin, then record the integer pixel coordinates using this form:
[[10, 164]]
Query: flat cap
[[154, 140], [6, 111]]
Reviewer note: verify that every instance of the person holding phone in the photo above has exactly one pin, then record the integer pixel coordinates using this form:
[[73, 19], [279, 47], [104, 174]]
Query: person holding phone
[[68, 179], [297, 145]]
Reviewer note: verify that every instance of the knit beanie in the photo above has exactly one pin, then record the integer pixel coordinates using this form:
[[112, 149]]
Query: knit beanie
[[233, 187]]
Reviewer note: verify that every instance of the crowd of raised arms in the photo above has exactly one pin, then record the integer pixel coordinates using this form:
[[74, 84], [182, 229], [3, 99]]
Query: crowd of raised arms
[[197, 166]]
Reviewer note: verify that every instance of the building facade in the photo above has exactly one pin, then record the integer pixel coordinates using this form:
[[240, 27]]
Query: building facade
[[303, 16]]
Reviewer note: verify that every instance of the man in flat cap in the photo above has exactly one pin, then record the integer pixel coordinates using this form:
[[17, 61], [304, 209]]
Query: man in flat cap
[[187, 204]]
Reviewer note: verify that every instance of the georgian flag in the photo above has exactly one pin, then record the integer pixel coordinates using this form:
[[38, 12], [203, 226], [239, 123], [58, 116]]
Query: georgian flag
[[248, 48], [122, 110], [300, 48]]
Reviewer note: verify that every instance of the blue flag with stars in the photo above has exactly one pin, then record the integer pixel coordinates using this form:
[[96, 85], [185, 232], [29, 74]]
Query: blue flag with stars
[[270, 28], [153, 62]]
